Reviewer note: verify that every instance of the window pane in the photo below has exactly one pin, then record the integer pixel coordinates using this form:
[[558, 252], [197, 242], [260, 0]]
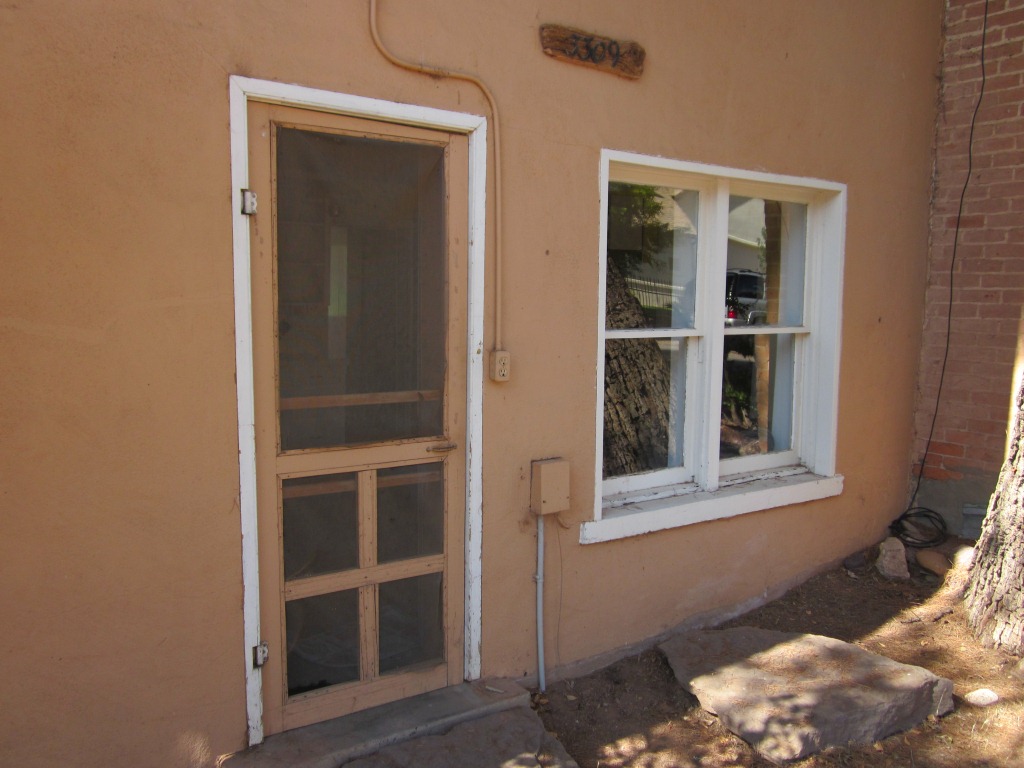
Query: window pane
[[644, 381], [764, 281], [360, 289], [320, 518], [652, 256], [411, 622], [323, 641], [410, 512], [757, 395]]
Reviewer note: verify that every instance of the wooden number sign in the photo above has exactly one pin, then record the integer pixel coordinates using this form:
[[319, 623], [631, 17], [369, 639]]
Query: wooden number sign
[[620, 57]]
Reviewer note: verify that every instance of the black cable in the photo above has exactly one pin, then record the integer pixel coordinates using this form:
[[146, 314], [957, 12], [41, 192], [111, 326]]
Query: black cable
[[919, 527], [952, 265]]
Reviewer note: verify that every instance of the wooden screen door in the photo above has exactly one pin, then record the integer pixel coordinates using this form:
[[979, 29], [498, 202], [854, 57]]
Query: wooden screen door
[[359, 323]]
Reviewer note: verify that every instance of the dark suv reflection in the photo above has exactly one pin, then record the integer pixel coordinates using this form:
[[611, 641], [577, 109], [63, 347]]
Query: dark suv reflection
[[744, 298]]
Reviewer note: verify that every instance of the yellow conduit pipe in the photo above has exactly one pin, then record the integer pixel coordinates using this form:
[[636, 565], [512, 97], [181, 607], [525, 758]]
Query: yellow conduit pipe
[[439, 72]]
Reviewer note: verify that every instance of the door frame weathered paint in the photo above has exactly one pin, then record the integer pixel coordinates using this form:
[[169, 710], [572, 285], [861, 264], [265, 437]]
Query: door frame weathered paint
[[241, 91]]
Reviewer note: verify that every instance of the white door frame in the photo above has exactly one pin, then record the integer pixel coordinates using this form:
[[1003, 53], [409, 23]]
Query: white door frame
[[242, 90]]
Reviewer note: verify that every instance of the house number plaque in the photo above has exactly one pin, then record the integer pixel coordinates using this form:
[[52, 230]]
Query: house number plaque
[[620, 57]]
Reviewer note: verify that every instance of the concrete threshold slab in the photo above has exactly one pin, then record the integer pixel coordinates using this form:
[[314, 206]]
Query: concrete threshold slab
[[334, 742]]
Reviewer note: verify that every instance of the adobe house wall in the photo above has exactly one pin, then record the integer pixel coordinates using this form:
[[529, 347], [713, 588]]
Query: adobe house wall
[[121, 548], [984, 310]]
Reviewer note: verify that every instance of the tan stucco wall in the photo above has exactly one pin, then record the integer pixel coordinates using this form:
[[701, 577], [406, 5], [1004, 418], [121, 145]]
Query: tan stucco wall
[[120, 554]]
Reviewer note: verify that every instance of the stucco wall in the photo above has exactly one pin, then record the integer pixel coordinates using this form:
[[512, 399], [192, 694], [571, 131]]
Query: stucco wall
[[120, 556]]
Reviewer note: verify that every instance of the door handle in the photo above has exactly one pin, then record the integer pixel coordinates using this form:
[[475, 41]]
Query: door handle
[[443, 448]]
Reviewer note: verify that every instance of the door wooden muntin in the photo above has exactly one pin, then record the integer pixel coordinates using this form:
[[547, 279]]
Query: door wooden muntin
[[363, 461]]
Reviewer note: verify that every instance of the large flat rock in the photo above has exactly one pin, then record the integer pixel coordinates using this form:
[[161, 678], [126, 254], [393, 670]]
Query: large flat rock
[[790, 695]]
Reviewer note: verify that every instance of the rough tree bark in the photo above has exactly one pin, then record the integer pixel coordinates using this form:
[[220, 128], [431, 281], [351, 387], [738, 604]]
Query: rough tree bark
[[995, 589], [636, 402]]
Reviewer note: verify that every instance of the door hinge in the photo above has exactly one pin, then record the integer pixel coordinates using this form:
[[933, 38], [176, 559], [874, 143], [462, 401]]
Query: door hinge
[[248, 202], [260, 654]]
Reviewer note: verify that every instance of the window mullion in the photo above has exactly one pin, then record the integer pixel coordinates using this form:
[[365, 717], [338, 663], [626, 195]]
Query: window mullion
[[712, 258]]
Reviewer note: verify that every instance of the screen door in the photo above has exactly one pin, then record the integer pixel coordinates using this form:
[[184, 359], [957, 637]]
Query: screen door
[[359, 323]]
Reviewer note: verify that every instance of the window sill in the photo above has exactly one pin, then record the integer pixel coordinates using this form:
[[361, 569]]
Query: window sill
[[686, 505]]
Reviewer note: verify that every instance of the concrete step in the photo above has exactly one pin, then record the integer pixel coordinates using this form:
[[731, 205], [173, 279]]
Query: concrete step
[[334, 742], [515, 737]]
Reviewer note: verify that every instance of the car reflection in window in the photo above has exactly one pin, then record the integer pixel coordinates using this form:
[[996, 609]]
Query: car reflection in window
[[744, 298]]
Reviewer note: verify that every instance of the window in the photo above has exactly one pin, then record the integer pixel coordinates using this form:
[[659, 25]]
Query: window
[[719, 343]]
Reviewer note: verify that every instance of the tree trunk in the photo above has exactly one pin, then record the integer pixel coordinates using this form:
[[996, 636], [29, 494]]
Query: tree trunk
[[636, 397], [995, 589]]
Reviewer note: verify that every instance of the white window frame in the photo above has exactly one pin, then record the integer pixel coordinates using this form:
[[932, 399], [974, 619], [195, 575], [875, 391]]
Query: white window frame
[[706, 487]]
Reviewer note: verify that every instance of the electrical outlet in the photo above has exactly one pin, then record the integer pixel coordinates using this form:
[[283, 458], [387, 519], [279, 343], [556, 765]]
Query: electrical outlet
[[501, 365]]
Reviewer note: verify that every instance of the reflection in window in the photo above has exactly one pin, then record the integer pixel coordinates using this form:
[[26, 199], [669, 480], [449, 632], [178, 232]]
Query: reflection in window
[[764, 280], [652, 248], [763, 287], [650, 280], [757, 395]]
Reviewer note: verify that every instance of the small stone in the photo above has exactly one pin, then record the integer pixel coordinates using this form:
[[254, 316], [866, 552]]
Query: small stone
[[856, 561], [934, 561], [982, 697], [892, 559]]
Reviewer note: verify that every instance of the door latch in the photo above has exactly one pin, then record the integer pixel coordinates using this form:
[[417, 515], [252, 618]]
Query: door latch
[[260, 654], [443, 448]]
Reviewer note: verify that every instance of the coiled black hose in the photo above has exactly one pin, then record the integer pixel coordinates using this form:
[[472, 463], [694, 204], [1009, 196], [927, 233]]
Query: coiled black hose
[[919, 527]]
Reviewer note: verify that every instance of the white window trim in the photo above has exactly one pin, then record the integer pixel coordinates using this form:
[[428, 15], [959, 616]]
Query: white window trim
[[696, 492]]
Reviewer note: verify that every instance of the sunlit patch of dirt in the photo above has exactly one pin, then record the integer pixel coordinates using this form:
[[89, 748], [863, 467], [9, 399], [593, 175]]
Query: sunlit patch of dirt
[[633, 714]]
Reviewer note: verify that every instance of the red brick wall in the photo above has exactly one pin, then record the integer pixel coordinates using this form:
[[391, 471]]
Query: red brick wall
[[988, 276]]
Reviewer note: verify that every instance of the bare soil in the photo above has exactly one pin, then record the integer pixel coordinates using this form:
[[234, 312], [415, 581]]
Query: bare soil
[[633, 714]]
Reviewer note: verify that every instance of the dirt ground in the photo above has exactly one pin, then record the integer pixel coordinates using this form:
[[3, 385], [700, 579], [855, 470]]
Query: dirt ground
[[633, 714]]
